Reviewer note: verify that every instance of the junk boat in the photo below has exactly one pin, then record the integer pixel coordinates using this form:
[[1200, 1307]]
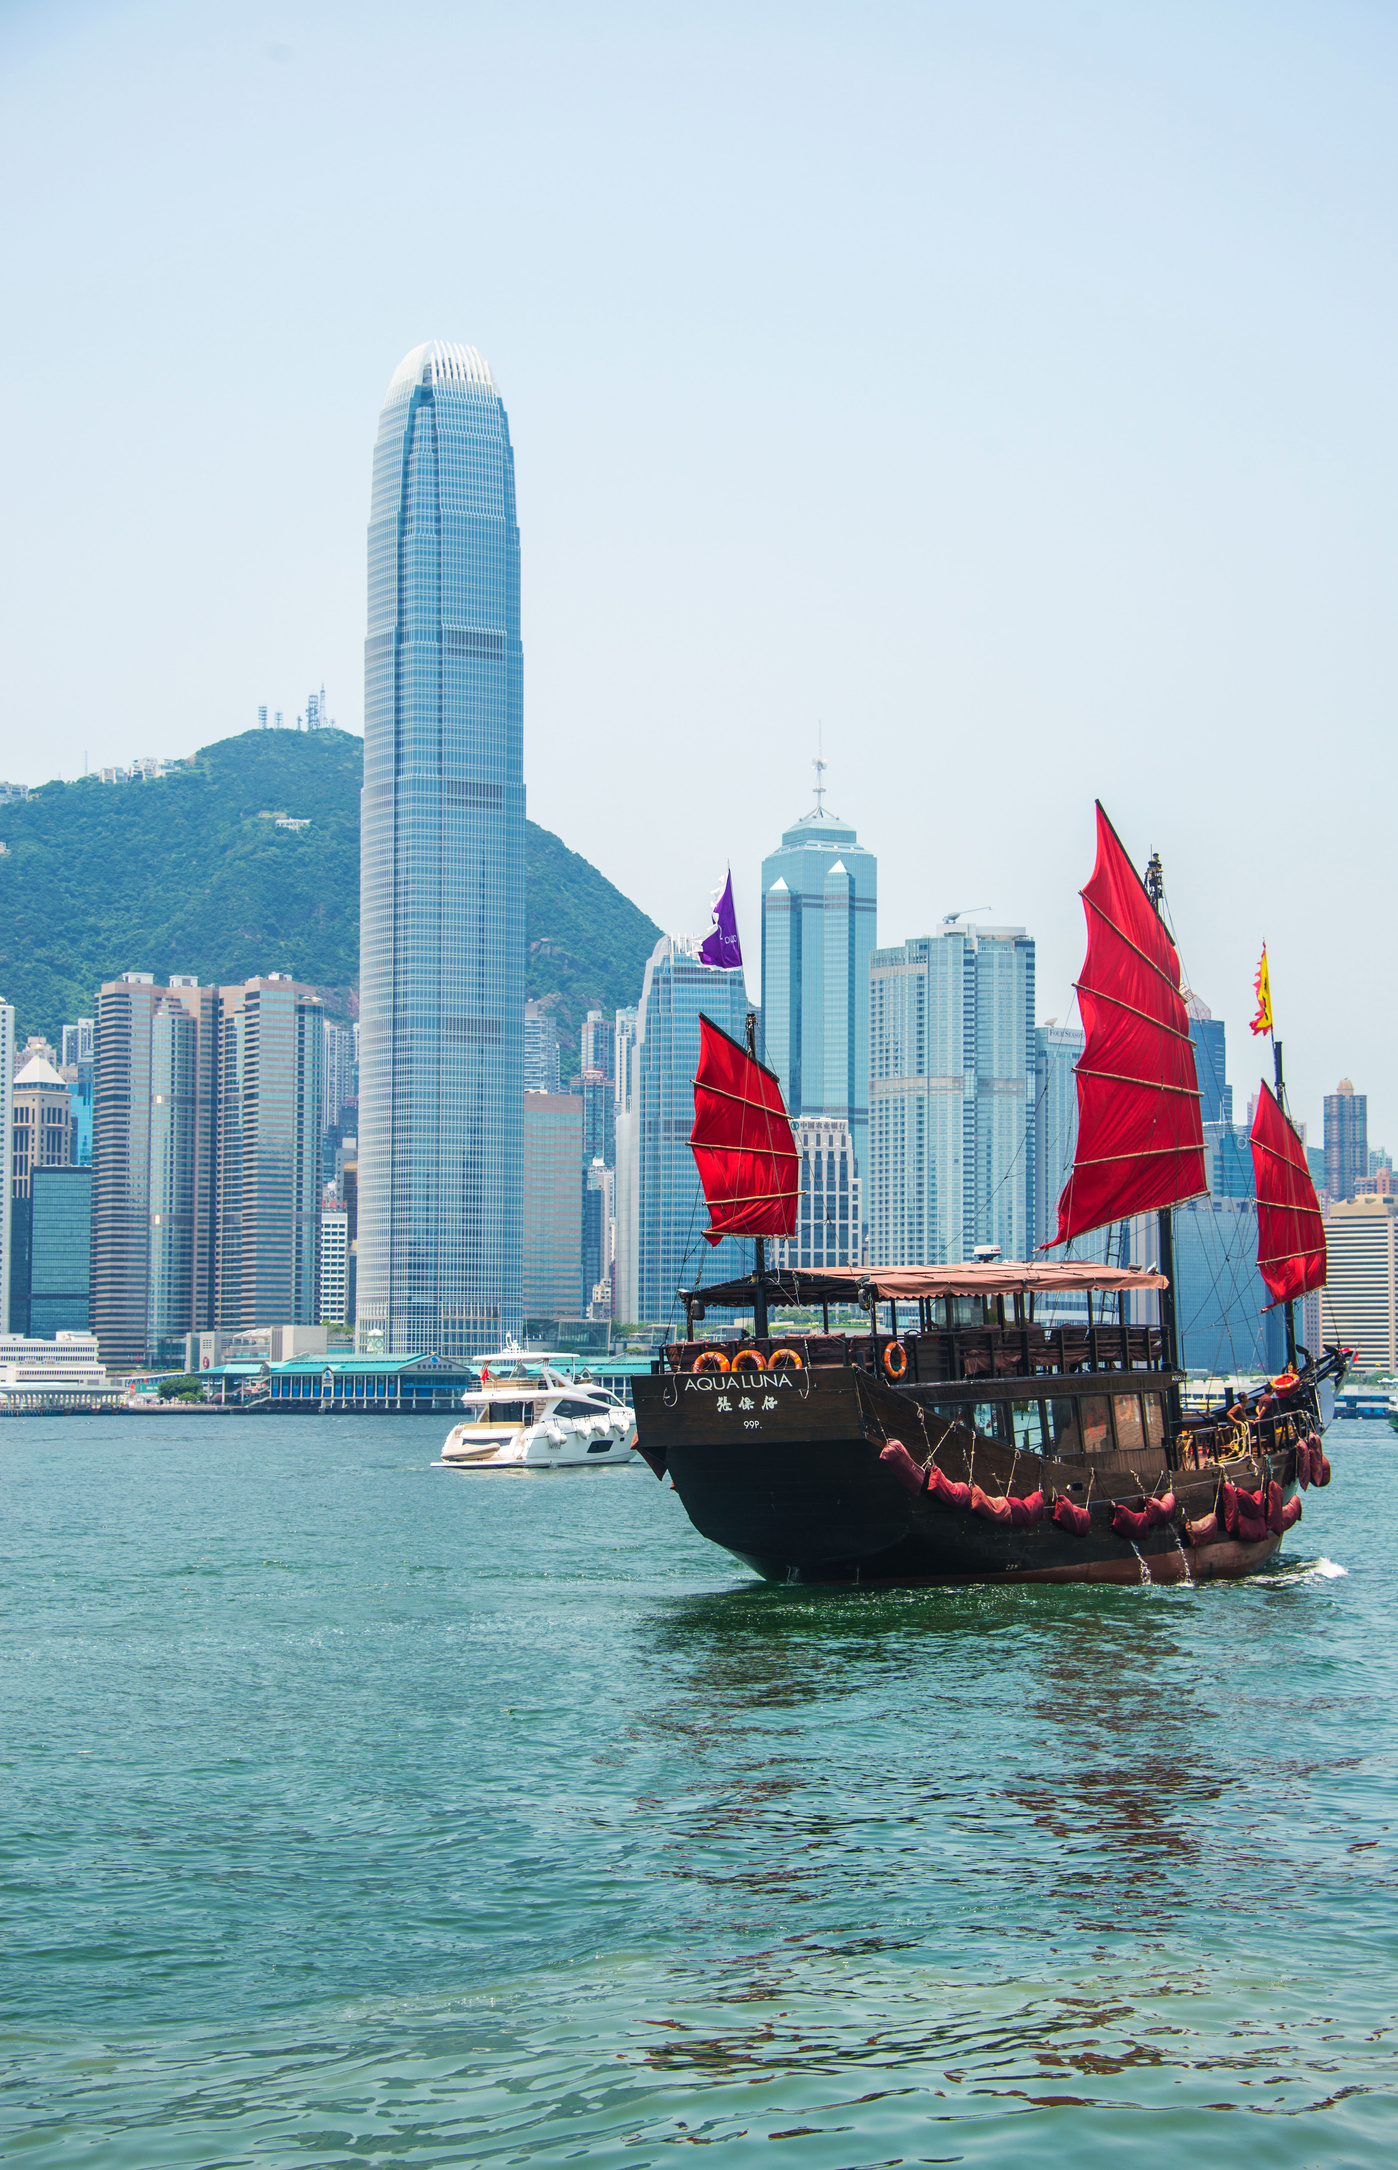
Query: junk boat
[[967, 1439], [537, 1415]]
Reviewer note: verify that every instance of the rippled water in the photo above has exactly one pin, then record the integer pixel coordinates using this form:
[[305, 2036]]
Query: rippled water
[[353, 1811]]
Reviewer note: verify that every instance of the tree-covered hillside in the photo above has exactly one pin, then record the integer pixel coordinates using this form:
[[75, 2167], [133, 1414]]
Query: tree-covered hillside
[[184, 874]]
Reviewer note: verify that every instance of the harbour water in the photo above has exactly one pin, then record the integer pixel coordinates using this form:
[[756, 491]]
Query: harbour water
[[356, 1812]]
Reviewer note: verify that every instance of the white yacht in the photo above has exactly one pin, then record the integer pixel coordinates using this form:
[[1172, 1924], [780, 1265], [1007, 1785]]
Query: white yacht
[[535, 1414]]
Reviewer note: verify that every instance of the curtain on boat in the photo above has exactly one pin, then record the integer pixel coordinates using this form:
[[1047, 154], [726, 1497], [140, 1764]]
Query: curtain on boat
[[742, 1142], [1290, 1231], [1140, 1129]]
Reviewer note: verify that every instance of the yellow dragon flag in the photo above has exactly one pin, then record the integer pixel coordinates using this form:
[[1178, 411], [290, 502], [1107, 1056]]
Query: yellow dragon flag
[[1262, 988]]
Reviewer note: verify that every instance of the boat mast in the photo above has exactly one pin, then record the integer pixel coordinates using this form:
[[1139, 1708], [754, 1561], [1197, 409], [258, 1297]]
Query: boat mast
[[1290, 1307], [759, 1301], [1169, 1320]]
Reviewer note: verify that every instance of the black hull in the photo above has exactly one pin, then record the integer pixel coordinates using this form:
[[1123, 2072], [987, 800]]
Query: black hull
[[790, 1480]]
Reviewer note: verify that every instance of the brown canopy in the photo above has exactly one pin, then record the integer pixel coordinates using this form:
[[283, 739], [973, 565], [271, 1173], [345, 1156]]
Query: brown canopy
[[907, 1284]]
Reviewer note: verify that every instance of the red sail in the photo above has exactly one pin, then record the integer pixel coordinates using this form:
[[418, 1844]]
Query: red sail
[[742, 1142], [1140, 1132], [1290, 1231]]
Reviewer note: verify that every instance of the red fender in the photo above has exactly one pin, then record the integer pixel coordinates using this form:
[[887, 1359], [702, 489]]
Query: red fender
[[1324, 1477], [942, 1487], [992, 1510], [1275, 1504], [1069, 1517], [1160, 1511], [1206, 1531], [1291, 1514], [1128, 1524], [900, 1464]]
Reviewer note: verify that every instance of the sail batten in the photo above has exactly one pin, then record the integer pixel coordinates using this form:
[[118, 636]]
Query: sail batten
[[1099, 994], [742, 1142], [1140, 1140], [1290, 1227]]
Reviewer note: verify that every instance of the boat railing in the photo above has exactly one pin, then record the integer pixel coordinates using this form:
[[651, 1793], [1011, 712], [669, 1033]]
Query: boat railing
[[942, 1355]]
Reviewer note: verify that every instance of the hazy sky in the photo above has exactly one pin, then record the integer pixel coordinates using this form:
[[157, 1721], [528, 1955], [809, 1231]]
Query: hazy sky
[[1008, 387]]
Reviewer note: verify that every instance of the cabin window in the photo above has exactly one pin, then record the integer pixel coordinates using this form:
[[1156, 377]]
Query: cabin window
[[1092, 1415], [577, 1409], [1130, 1437], [1063, 1418], [1080, 1426], [508, 1412], [1155, 1421], [1027, 1422]]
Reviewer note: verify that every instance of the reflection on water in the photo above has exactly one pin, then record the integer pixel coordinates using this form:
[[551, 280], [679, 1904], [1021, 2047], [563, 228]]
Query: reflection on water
[[352, 1816]]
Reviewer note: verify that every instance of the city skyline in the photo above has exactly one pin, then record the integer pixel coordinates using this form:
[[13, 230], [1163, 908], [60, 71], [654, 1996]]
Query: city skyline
[[1118, 514]]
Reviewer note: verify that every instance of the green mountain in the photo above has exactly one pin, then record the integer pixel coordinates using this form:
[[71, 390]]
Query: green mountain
[[189, 873]]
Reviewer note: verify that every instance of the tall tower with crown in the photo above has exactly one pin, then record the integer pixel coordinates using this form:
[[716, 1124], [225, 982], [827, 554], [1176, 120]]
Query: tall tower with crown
[[819, 912], [441, 930]]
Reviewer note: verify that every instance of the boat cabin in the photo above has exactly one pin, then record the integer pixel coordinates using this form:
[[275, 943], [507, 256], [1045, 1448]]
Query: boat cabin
[[964, 1343]]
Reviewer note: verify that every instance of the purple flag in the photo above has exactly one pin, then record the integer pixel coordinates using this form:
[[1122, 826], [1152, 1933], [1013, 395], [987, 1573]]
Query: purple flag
[[722, 946]]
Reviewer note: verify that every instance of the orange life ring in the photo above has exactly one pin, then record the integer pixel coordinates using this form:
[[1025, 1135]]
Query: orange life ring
[[748, 1356], [898, 1370], [785, 1356], [711, 1360]]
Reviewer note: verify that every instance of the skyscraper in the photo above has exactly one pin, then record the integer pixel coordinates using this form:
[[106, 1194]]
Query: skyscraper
[[442, 870], [1057, 1048], [1210, 1060], [271, 1044], [60, 1251], [553, 1206], [660, 1212], [1346, 1140], [542, 1066], [334, 1265], [152, 1164], [829, 1222], [7, 1066], [819, 908], [951, 1140], [337, 1075], [597, 1052]]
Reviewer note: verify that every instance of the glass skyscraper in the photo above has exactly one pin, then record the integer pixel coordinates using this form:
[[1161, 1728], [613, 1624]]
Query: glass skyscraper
[[951, 1135], [442, 871], [660, 1208], [1210, 1061], [819, 906]]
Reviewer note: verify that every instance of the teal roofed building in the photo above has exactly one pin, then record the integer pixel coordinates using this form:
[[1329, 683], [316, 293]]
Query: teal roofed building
[[382, 1384]]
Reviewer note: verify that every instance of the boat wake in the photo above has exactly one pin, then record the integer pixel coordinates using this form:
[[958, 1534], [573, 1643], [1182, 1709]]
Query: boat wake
[[1321, 1570]]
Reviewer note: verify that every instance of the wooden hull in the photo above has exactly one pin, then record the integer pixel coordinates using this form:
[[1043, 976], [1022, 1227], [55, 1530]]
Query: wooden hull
[[788, 1478]]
